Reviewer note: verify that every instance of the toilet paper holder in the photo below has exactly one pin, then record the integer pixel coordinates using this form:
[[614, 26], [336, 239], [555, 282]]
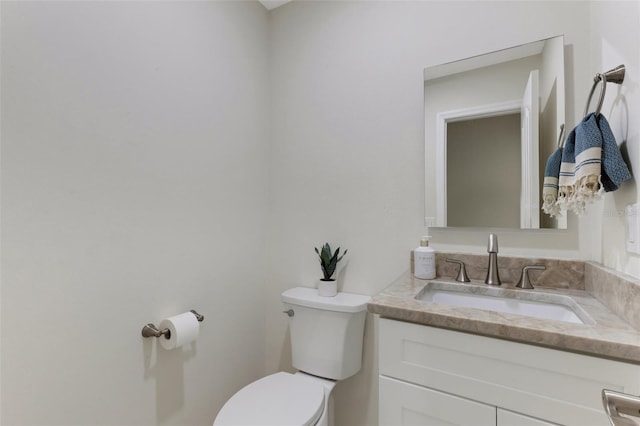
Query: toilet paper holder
[[150, 330]]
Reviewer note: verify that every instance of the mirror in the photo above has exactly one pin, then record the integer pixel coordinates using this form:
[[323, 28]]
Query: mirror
[[491, 122]]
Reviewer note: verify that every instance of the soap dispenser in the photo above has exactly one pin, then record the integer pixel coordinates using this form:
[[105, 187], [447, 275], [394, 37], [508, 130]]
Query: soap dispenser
[[424, 260]]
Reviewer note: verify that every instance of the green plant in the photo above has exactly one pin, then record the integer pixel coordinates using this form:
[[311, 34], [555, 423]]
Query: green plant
[[328, 261]]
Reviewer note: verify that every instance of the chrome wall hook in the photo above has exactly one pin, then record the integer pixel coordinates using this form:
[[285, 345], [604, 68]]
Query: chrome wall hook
[[615, 75], [150, 330]]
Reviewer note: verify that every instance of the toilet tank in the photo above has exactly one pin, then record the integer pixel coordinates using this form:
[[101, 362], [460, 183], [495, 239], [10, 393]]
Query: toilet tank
[[326, 332]]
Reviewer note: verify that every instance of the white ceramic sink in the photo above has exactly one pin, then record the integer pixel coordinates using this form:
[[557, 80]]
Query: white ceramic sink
[[538, 305]]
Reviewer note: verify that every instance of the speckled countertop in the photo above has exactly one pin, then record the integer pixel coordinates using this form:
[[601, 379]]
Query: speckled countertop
[[607, 332]]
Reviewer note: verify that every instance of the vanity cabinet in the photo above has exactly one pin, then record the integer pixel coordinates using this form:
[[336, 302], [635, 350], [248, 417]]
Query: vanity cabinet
[[403, 403], [433, 376]]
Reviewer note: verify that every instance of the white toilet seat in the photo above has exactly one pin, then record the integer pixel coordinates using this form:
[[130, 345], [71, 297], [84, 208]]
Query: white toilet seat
[[281, 399]]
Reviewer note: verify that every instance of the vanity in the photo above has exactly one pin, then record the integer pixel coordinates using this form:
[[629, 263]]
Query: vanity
[[468, 353], [444, 363]]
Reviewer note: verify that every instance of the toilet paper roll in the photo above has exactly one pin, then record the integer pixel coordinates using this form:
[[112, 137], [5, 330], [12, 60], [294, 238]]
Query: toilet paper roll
[[183, 328]]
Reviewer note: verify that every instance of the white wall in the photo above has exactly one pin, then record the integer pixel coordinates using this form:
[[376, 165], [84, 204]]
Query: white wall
[[134, 187], [135, 172], [615, 40], [348, 142]]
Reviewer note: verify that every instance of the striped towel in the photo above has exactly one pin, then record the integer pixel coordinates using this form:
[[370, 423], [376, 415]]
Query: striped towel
[[567, 171], [550, 203], [591, 164], [614, 169]]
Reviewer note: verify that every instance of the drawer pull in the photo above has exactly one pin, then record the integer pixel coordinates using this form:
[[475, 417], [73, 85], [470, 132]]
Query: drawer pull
[[616, 403]]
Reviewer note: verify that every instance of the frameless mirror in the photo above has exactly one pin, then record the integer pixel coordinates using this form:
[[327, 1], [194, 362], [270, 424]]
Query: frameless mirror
[[491, 121]]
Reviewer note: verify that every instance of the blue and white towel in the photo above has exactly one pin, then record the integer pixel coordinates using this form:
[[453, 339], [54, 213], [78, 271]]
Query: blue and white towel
[[614, 169], [591, 164], [567, 171], [550, 185]]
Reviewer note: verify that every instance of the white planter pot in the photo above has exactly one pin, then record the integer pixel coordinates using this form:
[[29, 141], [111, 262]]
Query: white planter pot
[[327, 288]]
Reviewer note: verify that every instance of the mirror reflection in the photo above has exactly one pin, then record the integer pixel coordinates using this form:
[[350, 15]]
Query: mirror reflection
[[491, 121]]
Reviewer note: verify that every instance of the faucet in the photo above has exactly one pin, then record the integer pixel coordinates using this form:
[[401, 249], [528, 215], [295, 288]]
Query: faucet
[[493, 278]]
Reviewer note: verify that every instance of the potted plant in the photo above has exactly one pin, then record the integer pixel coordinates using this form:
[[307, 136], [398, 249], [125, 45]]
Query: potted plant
[[328, 262]]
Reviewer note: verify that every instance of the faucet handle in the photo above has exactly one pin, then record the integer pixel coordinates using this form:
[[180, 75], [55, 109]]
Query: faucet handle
[[462, 274], [524, 281]]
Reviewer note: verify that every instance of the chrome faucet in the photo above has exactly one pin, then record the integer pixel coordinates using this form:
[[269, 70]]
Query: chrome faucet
[[493, 277]]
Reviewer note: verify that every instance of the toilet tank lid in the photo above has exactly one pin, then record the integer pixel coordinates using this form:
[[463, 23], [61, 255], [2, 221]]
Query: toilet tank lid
[[342, 302]]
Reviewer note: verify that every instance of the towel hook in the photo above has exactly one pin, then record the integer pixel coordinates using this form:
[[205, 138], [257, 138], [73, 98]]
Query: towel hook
[[615, 75]]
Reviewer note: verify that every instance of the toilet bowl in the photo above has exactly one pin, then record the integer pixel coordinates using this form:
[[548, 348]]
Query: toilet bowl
[[280, 399], [326, 343]]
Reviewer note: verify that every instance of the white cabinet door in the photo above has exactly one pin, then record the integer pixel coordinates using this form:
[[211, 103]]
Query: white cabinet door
[[559, 386], [508, 418], [406, 404]]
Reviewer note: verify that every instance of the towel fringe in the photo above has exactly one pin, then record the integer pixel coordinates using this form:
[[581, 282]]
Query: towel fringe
[[591, 165], [551, 206], [576, 197]]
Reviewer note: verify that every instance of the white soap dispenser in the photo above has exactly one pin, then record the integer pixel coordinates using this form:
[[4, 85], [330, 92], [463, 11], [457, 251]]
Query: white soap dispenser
[[424, 260]]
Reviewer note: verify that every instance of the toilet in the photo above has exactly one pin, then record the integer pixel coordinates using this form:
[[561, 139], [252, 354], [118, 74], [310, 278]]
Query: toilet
[[326, 344]]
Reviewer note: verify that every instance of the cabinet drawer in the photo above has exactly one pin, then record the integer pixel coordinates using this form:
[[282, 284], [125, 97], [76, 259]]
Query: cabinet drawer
[[544, 383], [406, 404]]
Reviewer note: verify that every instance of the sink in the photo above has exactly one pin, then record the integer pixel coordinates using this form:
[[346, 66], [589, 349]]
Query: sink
[[535, 304]]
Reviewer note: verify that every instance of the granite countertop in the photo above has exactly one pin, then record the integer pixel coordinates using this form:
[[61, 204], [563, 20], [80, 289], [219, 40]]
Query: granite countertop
[[604, 334]]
